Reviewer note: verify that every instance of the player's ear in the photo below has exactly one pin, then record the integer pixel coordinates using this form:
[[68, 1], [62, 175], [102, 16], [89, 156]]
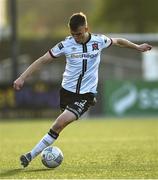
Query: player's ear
[[86, 28]]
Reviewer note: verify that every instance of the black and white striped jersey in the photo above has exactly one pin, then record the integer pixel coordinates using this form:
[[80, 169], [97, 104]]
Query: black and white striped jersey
[[82, 62]]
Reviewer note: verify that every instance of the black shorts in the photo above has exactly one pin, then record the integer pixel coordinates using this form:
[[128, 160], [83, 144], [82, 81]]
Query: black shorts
[[76, 103]]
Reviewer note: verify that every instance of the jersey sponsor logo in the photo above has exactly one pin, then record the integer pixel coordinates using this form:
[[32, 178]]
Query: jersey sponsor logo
[[85, 55], [95, 46], [60, 46], [73, 48]]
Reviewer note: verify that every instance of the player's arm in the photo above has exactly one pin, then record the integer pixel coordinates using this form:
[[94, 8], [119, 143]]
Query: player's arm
[[128, 44], [35, 66]]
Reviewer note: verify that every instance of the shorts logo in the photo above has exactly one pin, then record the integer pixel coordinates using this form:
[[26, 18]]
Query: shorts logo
[[60, 46], [80, 105], [95, 46]]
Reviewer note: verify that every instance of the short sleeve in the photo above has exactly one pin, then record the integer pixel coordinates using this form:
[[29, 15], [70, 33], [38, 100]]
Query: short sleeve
[[107, 42], [57, 50]]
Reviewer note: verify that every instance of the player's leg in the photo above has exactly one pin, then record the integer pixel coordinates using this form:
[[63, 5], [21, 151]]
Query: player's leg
[[63, 120], [75, 106]]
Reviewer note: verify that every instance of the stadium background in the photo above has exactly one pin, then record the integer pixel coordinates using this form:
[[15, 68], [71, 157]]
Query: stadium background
[[126, 77], [118, 138]]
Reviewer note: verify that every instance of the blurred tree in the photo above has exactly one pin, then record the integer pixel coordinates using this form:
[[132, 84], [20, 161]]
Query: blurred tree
[[139, 16], [45, 18]]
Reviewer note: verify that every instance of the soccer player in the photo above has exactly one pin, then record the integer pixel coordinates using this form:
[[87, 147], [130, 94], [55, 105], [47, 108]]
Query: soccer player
[[79, 84]]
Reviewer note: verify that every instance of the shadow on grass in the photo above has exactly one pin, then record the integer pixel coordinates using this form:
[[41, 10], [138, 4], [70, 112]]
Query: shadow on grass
[[13, 172], [10, 172], [38, 170]]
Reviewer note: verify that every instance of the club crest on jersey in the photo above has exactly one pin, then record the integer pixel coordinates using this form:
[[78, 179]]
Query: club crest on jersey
[[95, 46], [60, 46]]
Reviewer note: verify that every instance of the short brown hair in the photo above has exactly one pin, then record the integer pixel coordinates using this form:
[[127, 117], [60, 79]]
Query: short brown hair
[[77, 20]]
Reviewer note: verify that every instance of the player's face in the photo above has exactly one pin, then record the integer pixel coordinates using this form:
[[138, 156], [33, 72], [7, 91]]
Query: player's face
[[80, 34]]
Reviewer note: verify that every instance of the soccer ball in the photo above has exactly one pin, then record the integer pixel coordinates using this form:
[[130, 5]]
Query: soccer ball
[[52, 157]]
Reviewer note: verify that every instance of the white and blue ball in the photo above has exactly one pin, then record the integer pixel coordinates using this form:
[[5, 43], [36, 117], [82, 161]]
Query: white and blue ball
[[52, 157]]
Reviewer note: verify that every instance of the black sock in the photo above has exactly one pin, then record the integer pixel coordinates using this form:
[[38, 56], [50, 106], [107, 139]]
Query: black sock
[[53, 134]]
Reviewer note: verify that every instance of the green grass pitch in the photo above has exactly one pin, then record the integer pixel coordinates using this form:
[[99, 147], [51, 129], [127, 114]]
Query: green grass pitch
[[93, 149]]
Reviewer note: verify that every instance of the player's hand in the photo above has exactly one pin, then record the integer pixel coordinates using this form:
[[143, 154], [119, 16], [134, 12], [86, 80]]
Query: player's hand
[[18, 83], [144, 47]]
